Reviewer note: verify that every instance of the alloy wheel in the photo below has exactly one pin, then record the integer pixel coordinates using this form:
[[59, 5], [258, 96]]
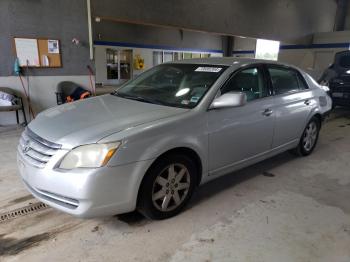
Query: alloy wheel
[[310, 136], [171, 187]]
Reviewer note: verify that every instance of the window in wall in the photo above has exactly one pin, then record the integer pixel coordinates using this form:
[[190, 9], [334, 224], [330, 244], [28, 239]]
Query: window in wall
[[157, 57], [178, 56], [284, 80], [168, 57], [249, 81], [196, 55], [215, 55], [125, 64], [205, 55], [267, 49], [187, 56], [112, 63]]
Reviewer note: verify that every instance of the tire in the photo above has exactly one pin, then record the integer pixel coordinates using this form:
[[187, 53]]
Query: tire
[[167, 186], [309, 138]]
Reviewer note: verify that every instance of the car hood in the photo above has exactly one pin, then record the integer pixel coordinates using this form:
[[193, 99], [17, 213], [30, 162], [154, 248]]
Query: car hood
[[89, 120]]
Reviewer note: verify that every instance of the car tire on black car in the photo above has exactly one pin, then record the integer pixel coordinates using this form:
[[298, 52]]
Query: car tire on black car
[[167, 186], [309, 138]]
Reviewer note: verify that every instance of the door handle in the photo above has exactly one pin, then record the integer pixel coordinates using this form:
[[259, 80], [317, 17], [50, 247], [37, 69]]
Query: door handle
[[307, 102], [267, 112]]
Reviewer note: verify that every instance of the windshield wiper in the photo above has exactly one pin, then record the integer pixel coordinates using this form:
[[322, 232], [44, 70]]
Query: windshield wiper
[[139, 98]]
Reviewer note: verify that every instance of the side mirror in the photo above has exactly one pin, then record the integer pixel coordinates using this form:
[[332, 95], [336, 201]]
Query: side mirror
[[231, 99]]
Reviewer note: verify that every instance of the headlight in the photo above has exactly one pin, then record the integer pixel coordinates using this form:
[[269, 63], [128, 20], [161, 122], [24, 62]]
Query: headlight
[[91, 156], [325, 88]]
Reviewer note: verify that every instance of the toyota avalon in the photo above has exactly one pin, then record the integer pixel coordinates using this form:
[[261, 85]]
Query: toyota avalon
[[149, 144]]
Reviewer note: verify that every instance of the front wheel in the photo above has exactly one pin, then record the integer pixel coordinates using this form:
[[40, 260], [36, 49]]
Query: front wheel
[[309, 137], [167, 187]]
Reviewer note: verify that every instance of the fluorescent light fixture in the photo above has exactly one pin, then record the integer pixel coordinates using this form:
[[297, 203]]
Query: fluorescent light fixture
[[267, 49]]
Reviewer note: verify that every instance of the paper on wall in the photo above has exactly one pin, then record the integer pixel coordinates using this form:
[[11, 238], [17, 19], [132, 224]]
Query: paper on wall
[[53, 47], [27, 51]]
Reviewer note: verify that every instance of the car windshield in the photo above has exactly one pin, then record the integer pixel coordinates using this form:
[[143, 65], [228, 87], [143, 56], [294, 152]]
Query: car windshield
[[177, 85]]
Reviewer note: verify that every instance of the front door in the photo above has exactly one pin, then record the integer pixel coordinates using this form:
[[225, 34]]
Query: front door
[[239, 133]]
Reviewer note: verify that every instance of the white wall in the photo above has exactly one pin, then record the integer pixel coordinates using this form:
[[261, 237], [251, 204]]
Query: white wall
[[332, 37], [244, 44], [316, 60], [313, 61], [42, 92]]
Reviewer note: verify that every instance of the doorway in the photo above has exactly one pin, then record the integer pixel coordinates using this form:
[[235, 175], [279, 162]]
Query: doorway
[[119, 65]]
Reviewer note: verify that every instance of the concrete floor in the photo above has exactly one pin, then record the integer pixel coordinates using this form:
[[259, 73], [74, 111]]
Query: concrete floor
[[283, 209]]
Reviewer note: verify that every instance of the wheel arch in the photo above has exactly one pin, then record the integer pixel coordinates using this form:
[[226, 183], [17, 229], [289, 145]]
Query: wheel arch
[[178, 150], [317, 114], [319, 117]]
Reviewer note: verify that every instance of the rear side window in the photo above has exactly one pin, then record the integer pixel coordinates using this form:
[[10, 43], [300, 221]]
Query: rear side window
[[302, 82], [286, 80]]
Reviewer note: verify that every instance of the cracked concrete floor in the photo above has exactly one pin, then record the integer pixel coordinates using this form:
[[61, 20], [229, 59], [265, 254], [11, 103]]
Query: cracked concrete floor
[[282, 209]]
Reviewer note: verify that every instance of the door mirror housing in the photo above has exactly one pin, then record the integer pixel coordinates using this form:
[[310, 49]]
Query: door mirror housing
[[231, 99]]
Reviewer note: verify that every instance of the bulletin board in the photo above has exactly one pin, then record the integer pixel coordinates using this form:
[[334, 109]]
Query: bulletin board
[[41, 53]]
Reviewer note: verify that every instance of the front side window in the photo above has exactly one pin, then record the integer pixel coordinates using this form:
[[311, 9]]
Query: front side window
[[285, 80], [177, 85], [249, 81]]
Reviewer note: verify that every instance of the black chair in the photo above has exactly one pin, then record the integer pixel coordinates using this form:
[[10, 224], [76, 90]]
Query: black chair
[[17, 103], [65, 89]]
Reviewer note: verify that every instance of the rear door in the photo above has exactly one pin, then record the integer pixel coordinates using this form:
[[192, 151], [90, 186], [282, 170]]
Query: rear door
[[293, 102]]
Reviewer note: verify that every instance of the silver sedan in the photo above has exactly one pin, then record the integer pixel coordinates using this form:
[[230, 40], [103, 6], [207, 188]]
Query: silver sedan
[[149, 144]]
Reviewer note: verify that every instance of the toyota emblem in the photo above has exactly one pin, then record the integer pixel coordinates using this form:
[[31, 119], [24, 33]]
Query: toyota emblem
[[26, 147]]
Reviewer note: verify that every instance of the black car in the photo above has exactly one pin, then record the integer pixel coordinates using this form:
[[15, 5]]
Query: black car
[[337, 77]]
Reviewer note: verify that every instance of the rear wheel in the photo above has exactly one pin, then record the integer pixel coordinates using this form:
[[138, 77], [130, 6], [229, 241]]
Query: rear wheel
[[309, 138], [167, 187]]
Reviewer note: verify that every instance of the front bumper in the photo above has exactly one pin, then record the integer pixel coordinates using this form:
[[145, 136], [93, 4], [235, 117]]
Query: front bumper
[[85, 192]]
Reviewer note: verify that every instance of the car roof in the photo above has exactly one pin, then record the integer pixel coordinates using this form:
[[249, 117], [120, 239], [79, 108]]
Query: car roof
[[346, 52], [227, 61]]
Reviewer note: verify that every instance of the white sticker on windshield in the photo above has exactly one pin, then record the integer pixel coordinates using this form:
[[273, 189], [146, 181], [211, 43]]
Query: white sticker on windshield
[[208, 69]]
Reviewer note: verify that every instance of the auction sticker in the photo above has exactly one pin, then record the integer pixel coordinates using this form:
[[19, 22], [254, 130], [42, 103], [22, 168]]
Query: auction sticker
[[208, 69]]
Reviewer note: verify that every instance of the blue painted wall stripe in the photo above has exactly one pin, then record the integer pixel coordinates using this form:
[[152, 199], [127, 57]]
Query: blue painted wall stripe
[[314, 46], [295, 47], [244, 52], [164, 47]]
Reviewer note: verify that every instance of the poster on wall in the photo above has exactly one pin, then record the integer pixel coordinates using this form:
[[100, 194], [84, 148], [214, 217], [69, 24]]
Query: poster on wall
[[53, 47], [27, 51]]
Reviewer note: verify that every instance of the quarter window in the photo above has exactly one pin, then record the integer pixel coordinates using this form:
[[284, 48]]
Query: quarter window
[[301, 82], [249, 81], [286, 80]]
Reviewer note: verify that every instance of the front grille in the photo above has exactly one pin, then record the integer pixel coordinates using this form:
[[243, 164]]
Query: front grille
[[36, 150], [345, 88], [345, 78]]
